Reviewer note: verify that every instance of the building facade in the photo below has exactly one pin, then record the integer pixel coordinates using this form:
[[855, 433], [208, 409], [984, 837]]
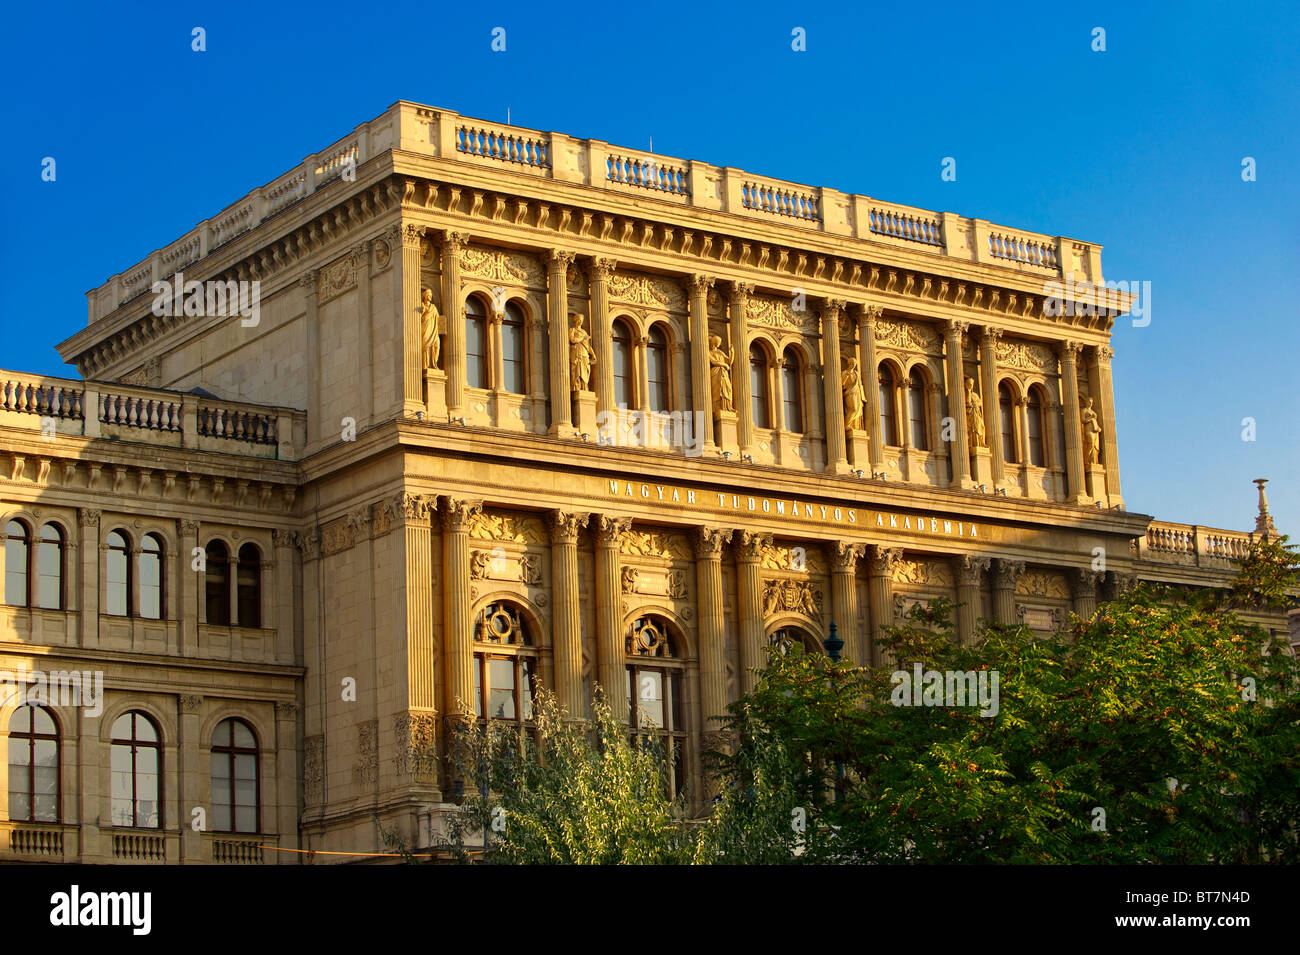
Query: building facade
[[509, 409]]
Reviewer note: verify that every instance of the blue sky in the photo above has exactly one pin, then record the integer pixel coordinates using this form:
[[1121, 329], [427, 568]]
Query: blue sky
[[1138, 148]]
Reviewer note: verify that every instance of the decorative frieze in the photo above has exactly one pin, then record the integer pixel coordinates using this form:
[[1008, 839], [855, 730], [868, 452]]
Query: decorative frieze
[[497, 265], [655, 545], [416, 750], [1043, 584], [647, 292], [1026, 356], [908, 336], [918, 572], [365, 768]]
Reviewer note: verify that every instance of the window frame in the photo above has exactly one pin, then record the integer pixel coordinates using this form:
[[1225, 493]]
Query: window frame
[[792, 365], [1007, 423], [227, 577], [917, 392], [161, 556], [25, 565], [760, 365], [230, 751], [888, 412], [135, 744], [672, 671], [32, 736], [127, 552], [472, 302], [239, 566], [515, 316]]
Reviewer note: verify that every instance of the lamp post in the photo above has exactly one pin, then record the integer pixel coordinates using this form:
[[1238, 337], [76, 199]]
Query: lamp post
[[834, 645]]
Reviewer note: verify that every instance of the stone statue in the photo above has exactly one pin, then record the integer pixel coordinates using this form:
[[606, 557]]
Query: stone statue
[[720, 374], [1091, 433], [975, 416], [581, 354], [429, 325], [854, 396]]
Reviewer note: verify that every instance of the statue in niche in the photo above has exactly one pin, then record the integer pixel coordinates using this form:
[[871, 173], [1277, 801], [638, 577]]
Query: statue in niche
[[975, 416], [854, 396], [581, 355], [720, 374], [429, 325], [1091, 433]]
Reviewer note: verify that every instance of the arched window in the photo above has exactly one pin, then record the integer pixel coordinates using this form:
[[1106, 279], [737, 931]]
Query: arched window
[[797, 637], [1034, 414], [136, 772], [513, 351], [18, 551], [505, 665], [1007, 418], [475, 343], [151, 577], [250, 586], [656, 369], [33, 765], [49, 568], [654, 693], [117, 575], [217, 584], [917, 417], [792, 392], [622, 366], [888, 425], [758, 385], [235, 803]]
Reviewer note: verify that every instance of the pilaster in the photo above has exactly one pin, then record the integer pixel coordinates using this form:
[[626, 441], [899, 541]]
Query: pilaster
[[701, 401], [1005, 573], [564, 528], [880, 580], [1068, 353], [969, 572], [453, 243], [412, 333], [749, 586], [989, 338], [738, 320], [602, 333], [558, 333], [844, 598], [458, 624], [610, 650], [837, 461], [959, 448]]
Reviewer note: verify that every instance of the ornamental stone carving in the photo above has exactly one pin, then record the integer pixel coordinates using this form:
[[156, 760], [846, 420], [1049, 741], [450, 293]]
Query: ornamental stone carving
[[785, 595], [906, 336], [1039, 583], [710, 540], [923, 573], [970, 569], [496, 265], [505, 527], [430, 320], [647, 292], [416, 736], [610, 530], [750, 546], [720, 363], [1091, 430], [313, 770], [854, 396], [1026, 356], [975, 416], [844, 555], [1006, 572], [365, 768], [565, 526], [582, 358]]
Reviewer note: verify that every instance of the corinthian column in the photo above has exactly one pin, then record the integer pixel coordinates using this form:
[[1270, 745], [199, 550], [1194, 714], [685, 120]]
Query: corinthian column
[[989, 384], [412, 549], [1004, 589], [867, 317], [557, 279], [836, 460], [749, 587], [454, 309], [610, 650], [969, 573], [568, 619], [412, 333], [738, 316], [1105, 391], [880, 580], [1084, 584], [1069, 352], [458, 624], [960, 447], [701, 396], [844, 597], [713, 636], [602, 333]]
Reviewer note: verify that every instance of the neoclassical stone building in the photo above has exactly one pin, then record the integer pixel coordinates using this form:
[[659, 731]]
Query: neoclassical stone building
[[520, 410]]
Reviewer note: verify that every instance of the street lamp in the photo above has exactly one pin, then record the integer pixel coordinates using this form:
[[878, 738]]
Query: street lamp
[[834, 645]]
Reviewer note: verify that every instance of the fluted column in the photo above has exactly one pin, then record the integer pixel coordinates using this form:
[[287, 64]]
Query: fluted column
[[412, 553], [880, 580], [713, 636], [610, 648], [738, 319], [844, 598], [454, 363], [836, 460], [749, 604], [557, 279], [969, 572], [602, 333], [1073, 439], [283, 616], [1105, 392], [960, 447], [701, 395], [1084, 584], [867, 363], [458, 623], [567, 617], [1004, 589], [989, 338], [412, 333]]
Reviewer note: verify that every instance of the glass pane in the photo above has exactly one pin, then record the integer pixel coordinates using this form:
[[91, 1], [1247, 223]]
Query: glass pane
[[657, 372], [916, 406], [478, 685], [120, 785], [115, 572], [246, 819], [122, 726], [1035, 426], [21, 721], [40, 719], [49, 568], [475, 353], [19, 753], [20, 805], [1008, 430], [45, 808], [887, 435], [144, 729], [758, 390], [243, 735], [526, 682], [512, 358], [15, 570], [246, 768], [501, 700], [622, 368], [221, 814], [150, 586], [650, 698], [791, 396]]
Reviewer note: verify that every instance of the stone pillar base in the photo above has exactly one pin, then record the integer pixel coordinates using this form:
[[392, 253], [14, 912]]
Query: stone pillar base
[[982, 468], [726, 430], [584, 416], [435, 395], [1096, 482], [860, 451]]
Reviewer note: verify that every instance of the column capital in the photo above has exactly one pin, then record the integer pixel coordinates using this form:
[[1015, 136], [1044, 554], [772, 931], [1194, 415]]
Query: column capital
[[410, 508], [565, 525], [869, 314], [708, 541], [700, 284], [740, 291], [453, 241], [750, 545], [458, 512], [845, 554], [610, 530], [1006, 572], [956, 328], [1069, 351], [280, 537], [990, 335], [1105, 353], [835, 306], [412, 236], [603, 268], [88, 516], [1085, 581], [969, 569], [881, 560], [560, 260], [307, 282]]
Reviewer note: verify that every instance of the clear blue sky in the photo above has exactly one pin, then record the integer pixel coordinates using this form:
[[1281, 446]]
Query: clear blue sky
[[1138, 148]]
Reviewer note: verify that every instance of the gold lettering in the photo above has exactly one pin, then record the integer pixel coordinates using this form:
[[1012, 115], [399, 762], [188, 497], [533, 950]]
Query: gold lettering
[[947, 527], [690, 497], [837, 514], [853, 517], [613, 487]]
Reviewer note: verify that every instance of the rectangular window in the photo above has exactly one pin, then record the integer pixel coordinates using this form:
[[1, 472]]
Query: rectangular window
[[475, 353], [115, 602], [49, 575], [15, 573]]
